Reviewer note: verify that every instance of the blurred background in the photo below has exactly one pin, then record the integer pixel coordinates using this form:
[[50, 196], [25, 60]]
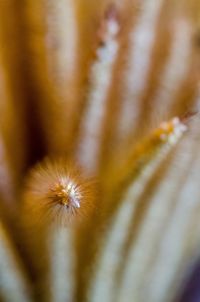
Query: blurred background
[[89, 80]]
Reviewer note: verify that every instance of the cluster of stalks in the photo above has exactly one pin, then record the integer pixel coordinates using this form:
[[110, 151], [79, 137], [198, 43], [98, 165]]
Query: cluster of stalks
[[99, 149]]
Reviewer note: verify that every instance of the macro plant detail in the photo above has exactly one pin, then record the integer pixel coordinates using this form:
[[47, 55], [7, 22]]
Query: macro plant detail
[[99, 146]]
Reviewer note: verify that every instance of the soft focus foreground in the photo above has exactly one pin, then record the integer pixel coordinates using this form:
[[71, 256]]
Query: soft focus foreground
[[99, 150]]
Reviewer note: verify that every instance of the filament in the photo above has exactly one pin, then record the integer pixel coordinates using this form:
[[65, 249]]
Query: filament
[[91, 130]]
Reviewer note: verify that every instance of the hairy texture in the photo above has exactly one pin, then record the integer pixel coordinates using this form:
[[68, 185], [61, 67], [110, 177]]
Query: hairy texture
[[56, 192]]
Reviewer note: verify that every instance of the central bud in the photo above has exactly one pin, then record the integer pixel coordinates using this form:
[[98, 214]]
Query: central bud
[[66, 193]]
